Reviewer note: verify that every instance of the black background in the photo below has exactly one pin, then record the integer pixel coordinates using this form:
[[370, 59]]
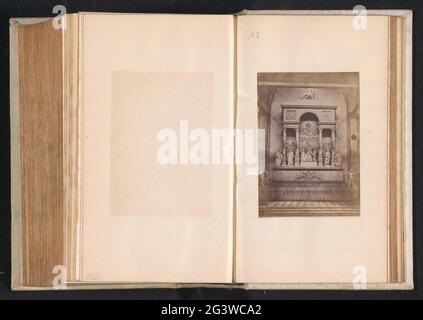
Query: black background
[[43, 8]]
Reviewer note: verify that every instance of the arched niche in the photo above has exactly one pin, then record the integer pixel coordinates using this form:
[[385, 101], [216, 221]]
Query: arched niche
[[309, 116]]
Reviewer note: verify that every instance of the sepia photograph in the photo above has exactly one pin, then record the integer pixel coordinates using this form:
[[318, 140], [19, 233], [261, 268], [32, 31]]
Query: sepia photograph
[[311, 146]]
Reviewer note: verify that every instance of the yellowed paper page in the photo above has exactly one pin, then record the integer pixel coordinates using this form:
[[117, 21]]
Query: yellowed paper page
[[147, 79], [317, 85]]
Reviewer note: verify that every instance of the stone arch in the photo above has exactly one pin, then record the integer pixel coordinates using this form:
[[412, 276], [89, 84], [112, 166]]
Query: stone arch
[[309, 116]]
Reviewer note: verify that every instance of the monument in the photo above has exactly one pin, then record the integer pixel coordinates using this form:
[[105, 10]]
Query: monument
[[311, 147]]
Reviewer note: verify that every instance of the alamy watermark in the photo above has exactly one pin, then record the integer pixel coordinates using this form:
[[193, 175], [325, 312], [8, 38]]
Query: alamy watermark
[[224, 146], [360, 277], [360, 18], [59, 21], [60, 278]]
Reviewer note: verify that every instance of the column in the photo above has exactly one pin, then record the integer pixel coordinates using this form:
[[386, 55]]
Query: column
[[297, 136], [320, 138], [284, 137], [333, 139]]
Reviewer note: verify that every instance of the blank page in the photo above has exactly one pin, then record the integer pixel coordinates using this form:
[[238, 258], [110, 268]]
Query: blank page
[[147, 82]]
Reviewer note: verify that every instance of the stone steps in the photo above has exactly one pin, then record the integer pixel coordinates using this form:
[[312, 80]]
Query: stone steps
[[309, 211]]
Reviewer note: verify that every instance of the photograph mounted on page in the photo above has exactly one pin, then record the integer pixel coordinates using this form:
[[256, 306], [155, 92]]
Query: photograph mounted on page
[[311, 144]]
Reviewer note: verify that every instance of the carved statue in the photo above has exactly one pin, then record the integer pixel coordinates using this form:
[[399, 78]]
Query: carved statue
[[350, 178], [278, 159], [332, 158], [313, 155], [320, 157], [297, 157], [310, 155], [310, 95], [308, 134], [338, 159], [290, 158], [306, 155], [326, 158], [265, 178]]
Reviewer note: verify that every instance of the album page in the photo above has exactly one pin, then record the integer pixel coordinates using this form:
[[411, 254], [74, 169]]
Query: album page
[[156, 196], [315, 90]]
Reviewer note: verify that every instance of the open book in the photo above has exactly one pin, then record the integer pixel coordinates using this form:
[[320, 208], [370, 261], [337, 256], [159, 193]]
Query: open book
[[262, 150]]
